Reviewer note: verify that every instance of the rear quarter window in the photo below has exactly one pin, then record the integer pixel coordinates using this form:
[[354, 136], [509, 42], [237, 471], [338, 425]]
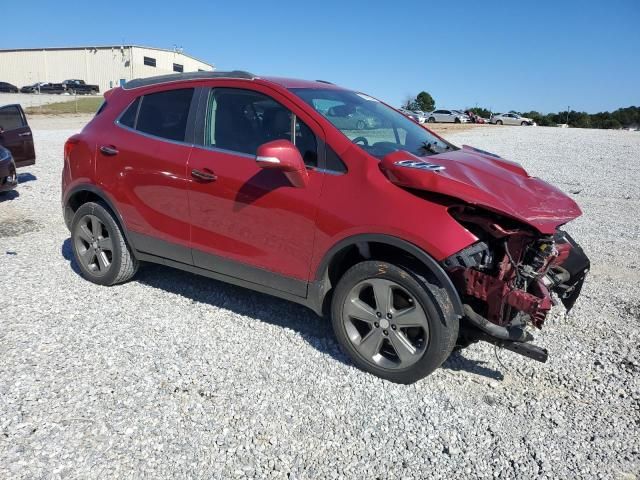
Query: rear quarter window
[[128, 118]]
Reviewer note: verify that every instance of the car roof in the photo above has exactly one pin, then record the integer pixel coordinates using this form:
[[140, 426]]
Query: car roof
[[234, 74], [297, 83]]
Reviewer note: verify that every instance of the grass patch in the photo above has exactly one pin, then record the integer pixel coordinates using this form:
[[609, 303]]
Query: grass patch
[[77, 105]]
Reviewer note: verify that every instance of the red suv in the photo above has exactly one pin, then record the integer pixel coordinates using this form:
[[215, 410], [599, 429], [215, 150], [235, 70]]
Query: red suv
[[410, 244]]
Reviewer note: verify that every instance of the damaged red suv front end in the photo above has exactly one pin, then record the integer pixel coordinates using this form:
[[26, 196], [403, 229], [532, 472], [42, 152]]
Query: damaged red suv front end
[[521, 261]]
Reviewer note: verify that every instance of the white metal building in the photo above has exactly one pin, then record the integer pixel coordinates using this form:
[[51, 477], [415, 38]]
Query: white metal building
[[106, 66]]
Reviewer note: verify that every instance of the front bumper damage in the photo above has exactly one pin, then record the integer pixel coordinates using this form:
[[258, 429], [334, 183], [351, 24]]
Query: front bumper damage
[[509, 281]]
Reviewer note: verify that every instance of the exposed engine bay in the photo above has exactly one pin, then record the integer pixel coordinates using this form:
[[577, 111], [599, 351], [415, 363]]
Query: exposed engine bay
[[507, 278]]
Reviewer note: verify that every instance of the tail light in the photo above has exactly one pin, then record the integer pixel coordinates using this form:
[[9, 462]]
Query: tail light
[[69, 145]]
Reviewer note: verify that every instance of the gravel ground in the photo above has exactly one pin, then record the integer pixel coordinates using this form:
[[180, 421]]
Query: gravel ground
[[173, 375]]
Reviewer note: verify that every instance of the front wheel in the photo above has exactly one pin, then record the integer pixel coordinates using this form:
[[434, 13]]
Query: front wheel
[[392, 322], [99, 246], [524, 124], [431, 120], [499, 122]]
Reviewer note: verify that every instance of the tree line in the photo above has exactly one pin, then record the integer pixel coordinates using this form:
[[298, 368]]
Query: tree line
[[621, 118]]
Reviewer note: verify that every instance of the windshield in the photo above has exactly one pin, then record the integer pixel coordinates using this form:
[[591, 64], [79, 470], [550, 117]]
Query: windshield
[[373, 126]]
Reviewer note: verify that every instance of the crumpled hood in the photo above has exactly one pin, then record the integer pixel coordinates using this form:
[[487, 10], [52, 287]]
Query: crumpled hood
[[483, 179]]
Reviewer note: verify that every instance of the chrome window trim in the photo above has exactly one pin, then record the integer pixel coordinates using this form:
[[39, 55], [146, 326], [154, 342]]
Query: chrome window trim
[[144, 134], [224, 150], [153, 137]]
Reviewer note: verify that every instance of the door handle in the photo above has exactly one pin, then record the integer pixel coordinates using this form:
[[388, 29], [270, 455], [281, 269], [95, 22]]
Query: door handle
[[25, 134], [109, 151], [203, 176]]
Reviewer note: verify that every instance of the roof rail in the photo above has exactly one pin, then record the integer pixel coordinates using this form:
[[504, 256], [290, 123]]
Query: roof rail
[[177, 77], [325, 81]]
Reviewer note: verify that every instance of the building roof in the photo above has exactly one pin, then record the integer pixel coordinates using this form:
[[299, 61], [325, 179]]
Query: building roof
[[90, 47]]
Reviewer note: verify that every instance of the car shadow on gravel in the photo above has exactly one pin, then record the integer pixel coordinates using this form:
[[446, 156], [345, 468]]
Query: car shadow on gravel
[[314, 330], [458, 362], [10, 195], [26, 177]]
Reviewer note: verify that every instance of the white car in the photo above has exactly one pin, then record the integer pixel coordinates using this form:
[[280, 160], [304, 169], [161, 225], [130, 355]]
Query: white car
[[418, 117], [448, 116], [510, 119]]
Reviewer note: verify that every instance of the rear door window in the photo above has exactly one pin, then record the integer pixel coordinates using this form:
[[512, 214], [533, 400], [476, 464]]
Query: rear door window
[[162, 114], [11, 118]]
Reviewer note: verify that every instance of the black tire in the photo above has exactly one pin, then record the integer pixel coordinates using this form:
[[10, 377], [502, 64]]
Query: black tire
[[360, 125], [524, 124], [443, 323], [431, 120], [498, 122], [457, 120], [122, 263]]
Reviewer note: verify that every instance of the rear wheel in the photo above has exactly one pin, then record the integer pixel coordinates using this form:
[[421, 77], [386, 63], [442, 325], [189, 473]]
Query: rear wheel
[[392, 322], [99, 246]]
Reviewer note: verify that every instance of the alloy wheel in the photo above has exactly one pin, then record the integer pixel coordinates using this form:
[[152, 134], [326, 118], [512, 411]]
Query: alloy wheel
[[385, 323], [94, 245]]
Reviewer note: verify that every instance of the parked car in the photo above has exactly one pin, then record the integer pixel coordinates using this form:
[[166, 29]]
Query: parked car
[[415, 116], [79, 87], [510, 119], [408, 243], [33, 88], [473, 118], [350, 118], [16, 135], [8, 88], [447, 116], [51, 88], [8, 176]]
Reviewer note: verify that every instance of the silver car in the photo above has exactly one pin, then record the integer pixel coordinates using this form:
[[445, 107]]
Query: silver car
[[510, 119], [448, 116], [418, 116], [351, 119]]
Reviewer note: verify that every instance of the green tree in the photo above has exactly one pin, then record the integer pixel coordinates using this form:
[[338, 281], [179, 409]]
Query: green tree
[[425, 102], [410, 103]]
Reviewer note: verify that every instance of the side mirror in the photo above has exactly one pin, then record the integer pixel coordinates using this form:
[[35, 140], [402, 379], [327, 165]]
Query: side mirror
[[284, 156]]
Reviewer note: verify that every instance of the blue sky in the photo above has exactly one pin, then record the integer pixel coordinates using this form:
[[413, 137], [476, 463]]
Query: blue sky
[[520, 55]]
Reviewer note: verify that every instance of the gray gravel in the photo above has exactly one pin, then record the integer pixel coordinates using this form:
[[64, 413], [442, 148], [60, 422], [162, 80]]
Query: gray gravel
[[173, 375]]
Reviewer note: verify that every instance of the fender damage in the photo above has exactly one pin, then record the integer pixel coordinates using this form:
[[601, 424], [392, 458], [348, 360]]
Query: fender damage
[[522, 261]]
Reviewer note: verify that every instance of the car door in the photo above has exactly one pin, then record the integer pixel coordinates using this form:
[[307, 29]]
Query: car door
[[248, 222], [509, 119], [142, 161], [445, 116], [16, 135]]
